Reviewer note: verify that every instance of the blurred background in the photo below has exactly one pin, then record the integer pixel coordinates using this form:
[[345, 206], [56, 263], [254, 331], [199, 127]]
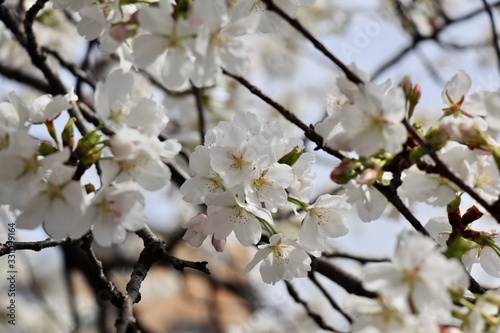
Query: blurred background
[[427, 40]]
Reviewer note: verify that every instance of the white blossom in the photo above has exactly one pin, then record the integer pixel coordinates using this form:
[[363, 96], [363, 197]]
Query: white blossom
[[327, 217], [282, 259], [114, 210]]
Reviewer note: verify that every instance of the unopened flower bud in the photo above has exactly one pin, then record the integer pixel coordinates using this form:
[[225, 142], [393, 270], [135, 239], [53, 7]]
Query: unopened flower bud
[[345, 171], [218, 244], [196, 231], [406, 85], [368, 176], [417, 93], [437, 137]]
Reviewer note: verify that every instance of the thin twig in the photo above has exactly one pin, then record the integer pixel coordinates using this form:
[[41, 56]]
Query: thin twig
[[360, 259], [435, 36], [314, 316], [73, 68], [317, 44], [489, 11], [429, 67], [198, 98], [22, 77], [330, 299], [10, 247], [344, 279]]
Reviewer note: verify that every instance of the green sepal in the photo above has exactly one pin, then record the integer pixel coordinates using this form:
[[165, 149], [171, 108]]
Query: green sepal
[[46, 148], [91, 157], [292, 156], [458, 247], [67, 135], [87, 143]]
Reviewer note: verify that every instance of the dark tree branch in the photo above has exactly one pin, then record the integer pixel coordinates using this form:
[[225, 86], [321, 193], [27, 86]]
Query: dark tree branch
[[198, 98], [389, 192], [317, 44], [22, 77], [417, 39], [308, 130], [444, 171], [117, 298], [360, 259], [347, 281], [80, 74], [314, 316], [489, 11], [330, 299], [154, 251], [392, 196], [10, 247]]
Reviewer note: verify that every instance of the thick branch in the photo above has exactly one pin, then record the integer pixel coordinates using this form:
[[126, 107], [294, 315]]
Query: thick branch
[[154, 251]]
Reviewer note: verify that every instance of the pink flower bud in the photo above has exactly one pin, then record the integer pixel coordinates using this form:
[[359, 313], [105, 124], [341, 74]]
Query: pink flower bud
[[344, 172], [417, 92], [407, 85], [196, 229], [367, 177], [218, 244]]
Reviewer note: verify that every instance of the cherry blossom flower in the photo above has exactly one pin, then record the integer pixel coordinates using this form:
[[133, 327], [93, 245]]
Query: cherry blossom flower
[[117, 108], [44, 108], [369, 202], [233, 163], [267, 184], [303, 183], [477, 168], [421, 273], [373, 121], [226, 214], [166, 40], [216, 44], [22, 171], [381, 316], [429, 188], [327, 217], [60, 204], [139, 158], [114, 210], [206, 179], [282, 259]]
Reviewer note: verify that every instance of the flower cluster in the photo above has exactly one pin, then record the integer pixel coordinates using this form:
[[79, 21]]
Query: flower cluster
[[42, 179], [248, 174], [244, 173], [183, 42]]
